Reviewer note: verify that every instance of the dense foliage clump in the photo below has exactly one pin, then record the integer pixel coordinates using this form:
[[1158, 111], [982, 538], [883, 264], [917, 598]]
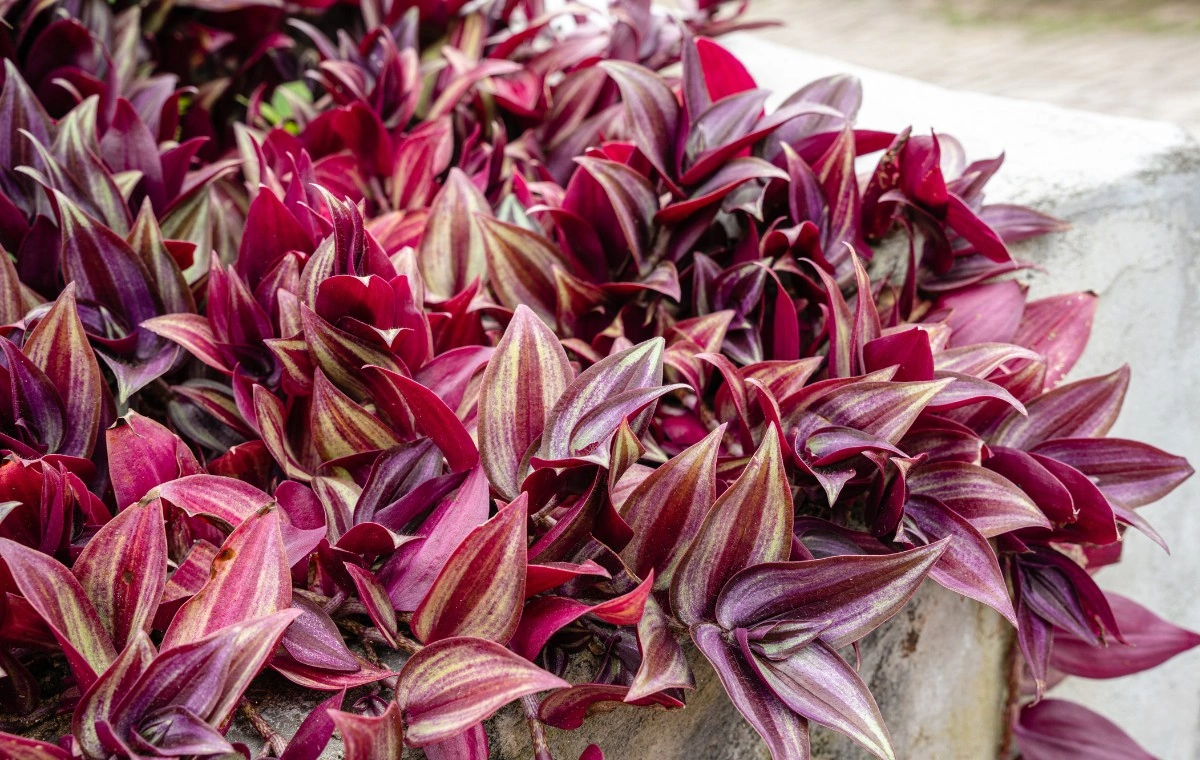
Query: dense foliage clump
[[524, 341]]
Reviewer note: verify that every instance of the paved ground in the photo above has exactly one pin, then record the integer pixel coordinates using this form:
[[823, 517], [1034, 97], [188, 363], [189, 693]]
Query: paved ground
[[1136, 58]]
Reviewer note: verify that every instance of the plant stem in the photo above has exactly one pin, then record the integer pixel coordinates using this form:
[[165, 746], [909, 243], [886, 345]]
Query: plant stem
[[271, 738], [1012, 704], [537, 731]]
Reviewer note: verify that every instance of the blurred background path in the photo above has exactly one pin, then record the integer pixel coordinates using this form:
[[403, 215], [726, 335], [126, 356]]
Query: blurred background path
[[1138, 58]]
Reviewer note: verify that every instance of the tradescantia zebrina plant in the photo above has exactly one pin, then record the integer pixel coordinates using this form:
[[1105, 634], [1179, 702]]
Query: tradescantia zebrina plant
[[525, 342]]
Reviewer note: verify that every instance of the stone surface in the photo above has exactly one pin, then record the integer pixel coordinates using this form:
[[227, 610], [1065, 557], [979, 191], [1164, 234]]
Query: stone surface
[[1131, 189]]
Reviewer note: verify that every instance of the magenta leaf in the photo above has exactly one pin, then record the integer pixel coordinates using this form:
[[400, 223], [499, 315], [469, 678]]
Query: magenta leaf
[[546, 615], [123, 569], [1149, 642], [314, 732], [481, 589], [1054, 728], [329, 680], [367, 737], [227, 500], [340, 427], [143, 454], [249, 578], [22, 748], [666, 509], [62, 602], [430, 413], [523, 382], [471, 744], [454, 683], [569, 708]]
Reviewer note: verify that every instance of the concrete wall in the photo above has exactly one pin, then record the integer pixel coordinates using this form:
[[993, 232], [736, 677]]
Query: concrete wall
[[1131, 189]]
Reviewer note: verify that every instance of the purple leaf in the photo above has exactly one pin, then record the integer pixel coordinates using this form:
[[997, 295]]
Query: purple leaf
[[751, 523], [452, 252], [881, 410], [59, 347], [666, 509], [112, 686], [664, 665], [855, 593], [1057, 328], [522, 264], [632, 199], [652, 113], [1127, 472], [785, 732], [313, 639], [445, 529], [206, 676], [969, 565], [194, 333], [1082, 409], [815, 682], [341, 427], [591, 408], [991, 503]]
